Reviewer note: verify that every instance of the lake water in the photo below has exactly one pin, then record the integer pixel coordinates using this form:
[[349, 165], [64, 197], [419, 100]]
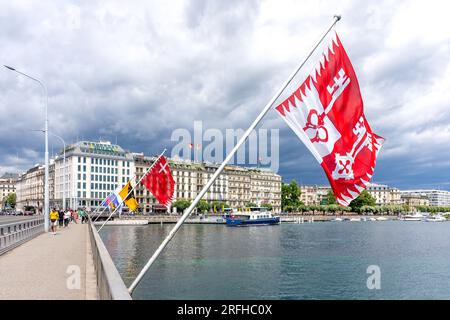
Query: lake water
[[322, 260]]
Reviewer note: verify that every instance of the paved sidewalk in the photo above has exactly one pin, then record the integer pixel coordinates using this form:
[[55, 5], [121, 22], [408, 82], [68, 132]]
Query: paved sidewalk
[[51, 267]]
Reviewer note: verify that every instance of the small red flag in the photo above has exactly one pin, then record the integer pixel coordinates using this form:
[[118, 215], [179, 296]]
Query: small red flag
[[159, 182]]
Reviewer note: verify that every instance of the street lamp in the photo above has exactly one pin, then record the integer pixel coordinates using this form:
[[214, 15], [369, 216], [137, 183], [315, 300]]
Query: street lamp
[[64, 166], [46, 187]]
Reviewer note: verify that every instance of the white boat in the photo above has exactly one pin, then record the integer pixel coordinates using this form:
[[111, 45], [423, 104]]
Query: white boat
[[436, 218], [381, 218], [372, 219], [337, 219], [413, 217], [355, 219]]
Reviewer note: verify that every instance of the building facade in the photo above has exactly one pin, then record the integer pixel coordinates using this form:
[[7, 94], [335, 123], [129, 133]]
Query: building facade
[[440, 198], [415, 200], [92, 171], [236, 186], [384, 195], [7, 185], [265, 188], [30, 190], [314, 195]]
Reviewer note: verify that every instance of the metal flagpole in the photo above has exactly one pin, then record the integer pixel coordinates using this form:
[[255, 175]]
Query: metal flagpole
[[123, 200], [103, 202], [100, 213], [188, 211]]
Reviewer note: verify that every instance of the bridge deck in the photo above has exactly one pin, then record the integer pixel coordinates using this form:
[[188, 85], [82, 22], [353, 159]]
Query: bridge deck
[[50, 267]]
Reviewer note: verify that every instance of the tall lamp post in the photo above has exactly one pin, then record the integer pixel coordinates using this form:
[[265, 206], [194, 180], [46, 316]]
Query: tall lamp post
[[46, 187], [64, 170]]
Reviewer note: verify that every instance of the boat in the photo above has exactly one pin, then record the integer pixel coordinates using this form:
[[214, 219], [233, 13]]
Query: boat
[[381, 219], [413, 217], [355, 219], [257, 216], [337, 219], [435, 218]]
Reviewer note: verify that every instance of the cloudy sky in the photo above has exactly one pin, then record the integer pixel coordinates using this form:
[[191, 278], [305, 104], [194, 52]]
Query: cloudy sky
[[137, 70]]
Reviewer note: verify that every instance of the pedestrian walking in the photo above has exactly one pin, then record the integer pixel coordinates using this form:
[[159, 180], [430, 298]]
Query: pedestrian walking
[[54, 216], [75, 216], [82, 214], [61, 218], [66, 219]]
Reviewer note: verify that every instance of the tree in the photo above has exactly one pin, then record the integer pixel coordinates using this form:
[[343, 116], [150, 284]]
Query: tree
[[10, 200], [364, 199], [331, 199], [267, 205], [290, 195], [250, 204], [181, 205], [203, 206]]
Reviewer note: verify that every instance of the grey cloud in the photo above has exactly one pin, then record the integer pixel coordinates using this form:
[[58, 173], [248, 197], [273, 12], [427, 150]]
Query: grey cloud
[[137, 71]]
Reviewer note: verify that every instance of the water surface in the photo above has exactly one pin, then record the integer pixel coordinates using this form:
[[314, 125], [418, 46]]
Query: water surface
[[323, 260]]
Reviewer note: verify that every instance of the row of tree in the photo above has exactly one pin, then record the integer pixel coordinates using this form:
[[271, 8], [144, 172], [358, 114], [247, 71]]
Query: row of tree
[[364, 203], [216, 206]]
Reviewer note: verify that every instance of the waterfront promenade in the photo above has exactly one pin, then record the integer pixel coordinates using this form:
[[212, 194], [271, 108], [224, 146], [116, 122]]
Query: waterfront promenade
[[51, 267]]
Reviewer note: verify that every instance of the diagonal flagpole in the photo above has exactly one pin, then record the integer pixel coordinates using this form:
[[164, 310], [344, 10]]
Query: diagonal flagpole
[[123, 200], [103, 209], [188, 211], [103, 202]]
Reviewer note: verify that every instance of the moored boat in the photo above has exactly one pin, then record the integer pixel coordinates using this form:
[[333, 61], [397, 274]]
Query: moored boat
[[435, 218], [413, 217], [255, 217]]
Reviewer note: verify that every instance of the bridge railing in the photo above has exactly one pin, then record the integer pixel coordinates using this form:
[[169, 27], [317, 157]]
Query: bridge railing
[[15, 233], [109, 282]]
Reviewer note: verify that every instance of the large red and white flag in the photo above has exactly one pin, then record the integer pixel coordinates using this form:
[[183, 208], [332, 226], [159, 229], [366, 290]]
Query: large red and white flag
[[326, 112], [159, 182]]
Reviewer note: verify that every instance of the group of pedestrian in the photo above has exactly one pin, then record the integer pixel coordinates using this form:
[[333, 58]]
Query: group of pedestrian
[[62, 218]]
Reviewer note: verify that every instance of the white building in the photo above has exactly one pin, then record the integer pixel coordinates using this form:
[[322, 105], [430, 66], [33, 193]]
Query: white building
[[384, 195], [313, 194], [439, 198], [92, 171], [7, 185]]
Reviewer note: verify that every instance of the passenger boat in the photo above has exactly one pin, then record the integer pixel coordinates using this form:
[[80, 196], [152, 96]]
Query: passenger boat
[[257, 216]]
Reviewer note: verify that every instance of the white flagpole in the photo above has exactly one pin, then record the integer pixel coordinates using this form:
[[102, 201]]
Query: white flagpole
[[188, 211], [103, 209], [103, 202], [123, 200]]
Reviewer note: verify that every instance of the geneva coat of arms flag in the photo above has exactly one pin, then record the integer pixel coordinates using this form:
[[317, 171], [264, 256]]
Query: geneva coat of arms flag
[[159, 182], [326, 113]]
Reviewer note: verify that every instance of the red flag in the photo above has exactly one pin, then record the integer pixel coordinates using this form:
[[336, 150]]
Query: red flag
[[159, 182], [326, 112]]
